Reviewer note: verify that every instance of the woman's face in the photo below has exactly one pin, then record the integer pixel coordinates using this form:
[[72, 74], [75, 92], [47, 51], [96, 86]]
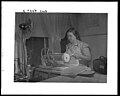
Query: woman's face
[[71, 37]]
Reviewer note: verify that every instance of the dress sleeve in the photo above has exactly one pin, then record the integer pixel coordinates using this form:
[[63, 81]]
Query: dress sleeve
[[85, 45]]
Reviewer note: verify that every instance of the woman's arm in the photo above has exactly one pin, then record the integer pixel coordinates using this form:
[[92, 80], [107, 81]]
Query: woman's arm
[[68, 51], [86, 55]]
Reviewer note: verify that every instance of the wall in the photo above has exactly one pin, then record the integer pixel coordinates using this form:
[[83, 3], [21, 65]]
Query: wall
[[95, 34], [98, 45]]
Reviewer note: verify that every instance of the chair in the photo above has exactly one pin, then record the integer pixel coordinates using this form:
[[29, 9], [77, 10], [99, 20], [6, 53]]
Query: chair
[[44, 56]]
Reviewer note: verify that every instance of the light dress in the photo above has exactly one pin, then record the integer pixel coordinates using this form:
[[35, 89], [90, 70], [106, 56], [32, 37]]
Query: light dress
[[75, 49]]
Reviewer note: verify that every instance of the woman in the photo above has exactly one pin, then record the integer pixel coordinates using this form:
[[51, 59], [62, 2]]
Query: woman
[[77, 50]]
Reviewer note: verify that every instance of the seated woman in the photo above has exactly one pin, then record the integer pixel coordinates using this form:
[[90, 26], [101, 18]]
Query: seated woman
[[78, 50]]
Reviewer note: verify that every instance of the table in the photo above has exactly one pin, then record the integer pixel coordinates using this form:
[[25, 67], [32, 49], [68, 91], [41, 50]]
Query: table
[[47, 74], [97, 78]]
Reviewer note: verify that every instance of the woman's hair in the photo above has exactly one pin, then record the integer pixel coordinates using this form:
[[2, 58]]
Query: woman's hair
[[75, 33]]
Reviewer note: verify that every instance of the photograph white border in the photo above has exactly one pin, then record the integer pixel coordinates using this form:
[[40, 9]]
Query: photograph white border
[[8, 35]]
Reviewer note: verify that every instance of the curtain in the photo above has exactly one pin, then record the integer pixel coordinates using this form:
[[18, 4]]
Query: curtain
[[73, 18], [20, 47], [62, 24], [54, 26]]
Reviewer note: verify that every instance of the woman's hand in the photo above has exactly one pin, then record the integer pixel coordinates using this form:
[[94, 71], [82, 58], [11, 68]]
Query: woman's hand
[[69, 52], [77, 55], [82, 56]]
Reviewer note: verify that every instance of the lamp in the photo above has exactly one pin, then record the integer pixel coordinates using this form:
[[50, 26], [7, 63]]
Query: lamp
[[27, 25], [25, 30]]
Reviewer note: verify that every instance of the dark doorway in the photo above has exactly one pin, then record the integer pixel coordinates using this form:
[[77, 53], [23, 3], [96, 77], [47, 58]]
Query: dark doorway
[[34, 46]]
